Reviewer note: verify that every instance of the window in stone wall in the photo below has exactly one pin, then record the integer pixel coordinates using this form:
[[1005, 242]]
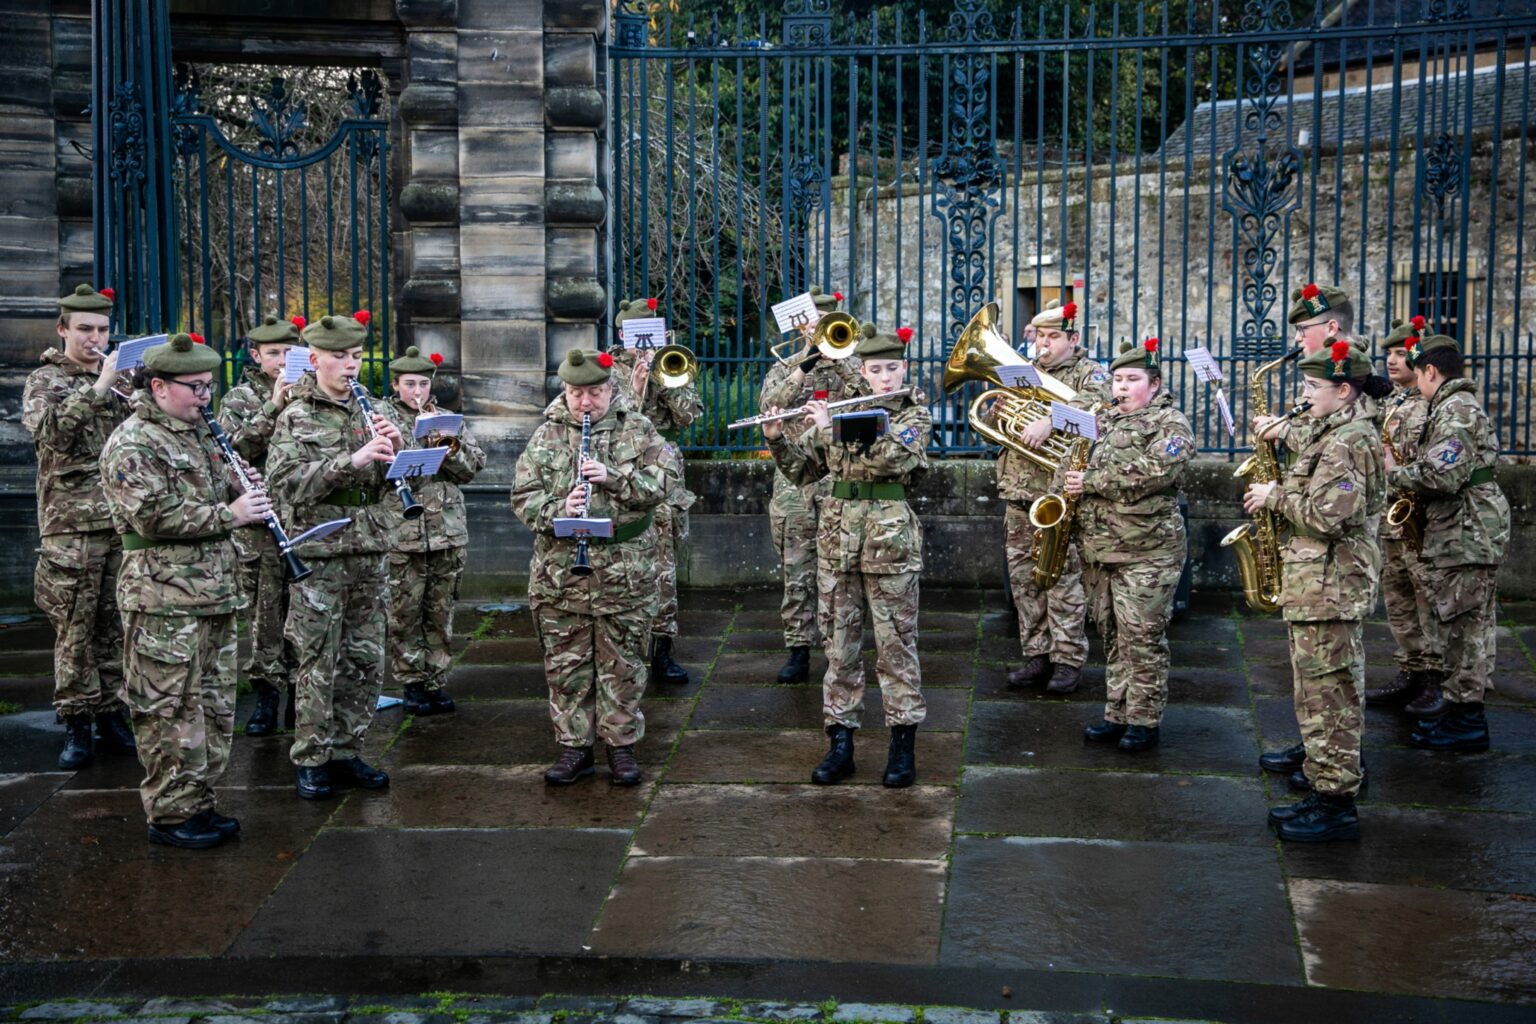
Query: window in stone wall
[[1437, 294]]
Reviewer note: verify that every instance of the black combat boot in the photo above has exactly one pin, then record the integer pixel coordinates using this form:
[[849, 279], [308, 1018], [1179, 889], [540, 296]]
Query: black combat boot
[[1104, 732], [1064, 679], [1032, 673], [314, 782], [1464, 730], [1138, 738], [354, 771], [1290, 811], [838, 764], [263, 720], [79, 746], [222, 824], [623, 769], [1404, 687], [416, 701], [291, 712], [901, 762], [1283, 761], [798, 668], [439, 701], [113, 735], [1431, 702], [1298, 780], [572, 764], [663, 668], [196, 833], [1329, 819]]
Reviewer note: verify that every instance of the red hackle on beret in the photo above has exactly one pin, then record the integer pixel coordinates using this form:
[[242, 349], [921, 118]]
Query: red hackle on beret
[[604, 360], [904, 334], [1069, 311], [1310, 291], [362, 316], [838, 296], [1150, 344], [109, 293], [651, 304], [437, 358], [1339, 350], [197, 339], [300, 323]]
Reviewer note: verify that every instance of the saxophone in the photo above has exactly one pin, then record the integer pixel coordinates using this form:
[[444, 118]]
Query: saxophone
[[1053, 515], [1406, 512], [1257, 543]]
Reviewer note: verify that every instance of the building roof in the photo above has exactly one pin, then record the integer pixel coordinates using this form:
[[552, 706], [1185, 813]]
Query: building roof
[[1356, 14]]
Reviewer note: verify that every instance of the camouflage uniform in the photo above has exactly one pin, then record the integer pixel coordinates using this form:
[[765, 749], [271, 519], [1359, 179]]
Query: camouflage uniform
[[80, 556], [793, 511], [1052, 623], [594, 628], [426, 561], [336, 616], [670, 411], [1134, 547], [1465, 533], [869, 549], [1414, 625], [179, 589], [1332, 495], [248, 417]]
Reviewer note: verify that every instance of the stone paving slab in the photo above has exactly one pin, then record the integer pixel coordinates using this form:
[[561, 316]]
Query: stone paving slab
[[788, 755], [493, 796], [774, 706]]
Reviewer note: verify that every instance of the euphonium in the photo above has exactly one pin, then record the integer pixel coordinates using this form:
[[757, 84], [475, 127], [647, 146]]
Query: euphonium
[[1405, 512], [1052, 516], [1016, 410]]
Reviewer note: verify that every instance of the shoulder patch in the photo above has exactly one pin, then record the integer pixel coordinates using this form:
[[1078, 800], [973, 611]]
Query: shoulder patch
[[1098, 376], [909, 435], [1176, 445], [1449, 456], [1346, 485]]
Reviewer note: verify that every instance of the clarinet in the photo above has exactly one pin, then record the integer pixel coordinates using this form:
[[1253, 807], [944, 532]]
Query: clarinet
[[582, 566], [407, 501], [297, 570]]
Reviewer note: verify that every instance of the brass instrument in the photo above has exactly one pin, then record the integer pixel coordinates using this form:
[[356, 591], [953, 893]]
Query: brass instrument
[[800, 410], [1405, 512], [1257, 543], [1053, 516], [980, 350], [674, 366], [433, 439], [835, 335]]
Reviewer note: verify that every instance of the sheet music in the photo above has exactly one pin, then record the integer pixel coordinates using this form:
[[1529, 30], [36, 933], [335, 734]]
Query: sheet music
[[319, 532], [441, 422], [643, 332], [1201, 361], [130, 354], [571, 526], [1226, 413], [1021, 376], [1074, 421], [796, 313], [416, 462], [296, 364]]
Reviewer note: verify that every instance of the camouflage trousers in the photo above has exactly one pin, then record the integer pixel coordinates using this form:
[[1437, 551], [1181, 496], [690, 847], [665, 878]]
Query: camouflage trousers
[[76, 587], [1328, 668], [270, 660], [181, 697], [423, 586], [605, 653], [1131, 602], [336, 625], [1464, 599], [671, 530], [792, 521], [1413, 621], [1052, 623], [892, 601]]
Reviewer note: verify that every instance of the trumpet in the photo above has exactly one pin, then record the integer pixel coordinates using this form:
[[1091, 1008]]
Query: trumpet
[[801, 410], [835, 336], [429, 408], [408, 502]]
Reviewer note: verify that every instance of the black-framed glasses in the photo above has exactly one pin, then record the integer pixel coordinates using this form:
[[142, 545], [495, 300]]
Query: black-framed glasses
[[200, 388]]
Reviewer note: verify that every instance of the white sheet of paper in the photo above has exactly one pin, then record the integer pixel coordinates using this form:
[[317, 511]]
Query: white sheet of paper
[[1226, 413], [384, 703], [296, 364], [796, 313], [441, 422], [130, 354], [320, 531], [1204, 365], [643, 332], [415, 462], [571, 526], [1074, 421], [1022, 376]]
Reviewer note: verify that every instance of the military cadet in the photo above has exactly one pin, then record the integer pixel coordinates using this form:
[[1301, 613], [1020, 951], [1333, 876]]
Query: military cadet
[[426, 554], [1412, 620], [326, 461], [1133, 544], [247, 413], [793, 511], [1466, 531], [70, 407], [1331, 496], [175, 502], [1053, 628], [670, 410], [869, 549], [594, 627], [1320, 314]]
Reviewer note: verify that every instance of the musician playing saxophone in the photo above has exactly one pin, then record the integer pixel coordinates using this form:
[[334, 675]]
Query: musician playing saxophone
[[1053, 627], [594, 627], [1319, 315], [1133, 543], [1332, 496]]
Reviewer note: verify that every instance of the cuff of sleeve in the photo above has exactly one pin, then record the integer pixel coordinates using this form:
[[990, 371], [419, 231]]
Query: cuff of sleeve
[[226, 517]]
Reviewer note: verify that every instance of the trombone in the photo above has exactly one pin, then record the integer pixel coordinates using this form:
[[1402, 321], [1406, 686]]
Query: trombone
[[674, 366], [835, 336]]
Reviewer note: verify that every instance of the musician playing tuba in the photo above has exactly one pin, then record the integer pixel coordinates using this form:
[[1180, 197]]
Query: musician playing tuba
[[670, 409]]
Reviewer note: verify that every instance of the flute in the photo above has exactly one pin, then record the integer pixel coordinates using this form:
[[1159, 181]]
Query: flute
[[297, 570], [583, 567], [800, 410], [407, 501]]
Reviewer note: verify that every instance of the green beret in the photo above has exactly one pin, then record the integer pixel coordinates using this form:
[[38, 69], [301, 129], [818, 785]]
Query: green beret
[[1434, 343], [633, 309], [1315, 300], [875, 345], [825, 303], [181, 355], [85, 299], [1336, 361], [335, 333], [1137, 357], [582, 368], [412, 362], [274, 332], [1056, 317]]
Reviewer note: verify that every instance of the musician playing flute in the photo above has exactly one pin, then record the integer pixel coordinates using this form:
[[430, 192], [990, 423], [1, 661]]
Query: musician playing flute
[[175, 502], [69, 408], [426, 554], [327, 460], [594, 627]]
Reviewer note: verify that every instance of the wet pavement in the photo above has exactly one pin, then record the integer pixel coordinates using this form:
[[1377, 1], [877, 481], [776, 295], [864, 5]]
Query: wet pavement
[[1025, 871]]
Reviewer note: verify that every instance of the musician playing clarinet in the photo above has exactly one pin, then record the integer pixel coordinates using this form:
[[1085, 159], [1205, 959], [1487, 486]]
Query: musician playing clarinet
[[175, 502], [593, 601], [326, 461]]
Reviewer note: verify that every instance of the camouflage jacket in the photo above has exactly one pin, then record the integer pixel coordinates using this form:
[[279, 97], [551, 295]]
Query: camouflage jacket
[[1130, 503], [642, 469], [1465, 523], [247, 415], [69, 425], [670, 410], [1332, 496], [1407, 410], [1021, 480], [309, 460], [839, 378], [443, 522], [166, 481], [859, 534]]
